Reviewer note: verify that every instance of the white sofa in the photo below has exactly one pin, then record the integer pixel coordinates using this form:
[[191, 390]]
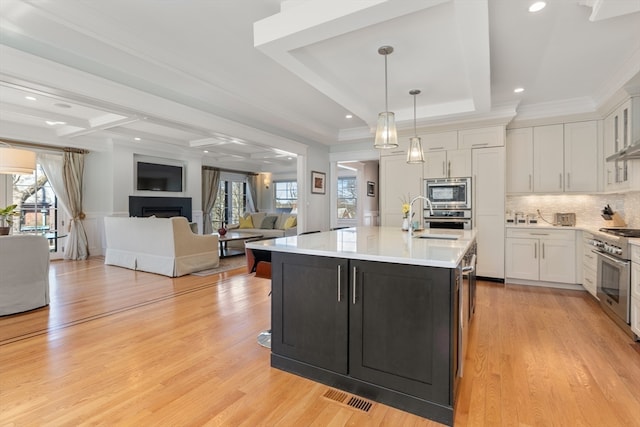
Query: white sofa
[[278, 229], [24, 273], [164, 246]]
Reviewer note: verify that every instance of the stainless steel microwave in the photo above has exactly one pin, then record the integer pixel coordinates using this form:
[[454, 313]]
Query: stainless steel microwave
[[449, 193]]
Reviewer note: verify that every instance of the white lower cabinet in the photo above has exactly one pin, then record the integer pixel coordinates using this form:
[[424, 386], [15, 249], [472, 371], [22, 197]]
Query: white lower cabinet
[[635, 289], [543, 255], [589, 265]]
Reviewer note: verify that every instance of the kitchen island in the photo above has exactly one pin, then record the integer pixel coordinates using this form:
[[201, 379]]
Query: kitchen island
[[375, 312]]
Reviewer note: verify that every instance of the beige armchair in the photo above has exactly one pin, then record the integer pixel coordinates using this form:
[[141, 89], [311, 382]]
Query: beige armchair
[[159, 245], [24, 273]]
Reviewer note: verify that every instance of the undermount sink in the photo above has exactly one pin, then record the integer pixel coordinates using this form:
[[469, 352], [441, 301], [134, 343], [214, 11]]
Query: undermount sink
[[438, 236]]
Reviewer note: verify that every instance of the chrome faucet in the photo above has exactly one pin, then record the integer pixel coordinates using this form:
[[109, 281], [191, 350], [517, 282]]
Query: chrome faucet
[[411, 211]]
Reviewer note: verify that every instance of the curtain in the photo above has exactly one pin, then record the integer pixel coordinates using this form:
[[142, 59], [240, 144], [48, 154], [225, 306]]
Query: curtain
[[210, 184], [252, 193], [77, 247], [52, 166]]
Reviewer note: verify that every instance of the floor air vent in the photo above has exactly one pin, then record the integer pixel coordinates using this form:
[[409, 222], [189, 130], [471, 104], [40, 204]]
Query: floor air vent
[[353, 401], [361, 404], [336, 395]]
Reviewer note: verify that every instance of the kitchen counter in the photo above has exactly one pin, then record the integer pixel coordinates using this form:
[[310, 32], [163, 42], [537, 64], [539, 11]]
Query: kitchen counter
[[429, 248], [375, 312]]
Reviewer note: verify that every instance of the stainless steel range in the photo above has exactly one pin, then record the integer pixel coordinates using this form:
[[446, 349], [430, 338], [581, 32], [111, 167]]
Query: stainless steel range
[[614, 273]]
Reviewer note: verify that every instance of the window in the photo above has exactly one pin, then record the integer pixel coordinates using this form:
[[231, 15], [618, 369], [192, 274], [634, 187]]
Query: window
[[231, 203], [37, 205], [286, 195], [347, 197]]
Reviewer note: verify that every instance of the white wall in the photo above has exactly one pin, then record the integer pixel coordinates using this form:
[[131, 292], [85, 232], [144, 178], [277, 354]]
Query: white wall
[[316, 206], [109, 181]]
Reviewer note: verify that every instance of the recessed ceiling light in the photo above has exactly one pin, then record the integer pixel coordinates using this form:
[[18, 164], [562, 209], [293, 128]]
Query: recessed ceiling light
[[53, 123], [519, 90], [537, 6], [205, 151], [61, 105], [349, 116], [137, 139], [289, 158], [31, 98]]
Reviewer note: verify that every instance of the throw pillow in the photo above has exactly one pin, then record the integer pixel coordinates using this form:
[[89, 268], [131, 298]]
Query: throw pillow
[[290, 222], [246, 222], [268, 222]]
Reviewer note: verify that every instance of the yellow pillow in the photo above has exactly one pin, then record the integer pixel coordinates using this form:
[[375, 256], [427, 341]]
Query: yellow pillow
[[246, 222], [290, 222]]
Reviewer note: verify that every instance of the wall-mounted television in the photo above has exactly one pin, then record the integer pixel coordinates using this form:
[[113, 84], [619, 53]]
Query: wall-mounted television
[[159, 177]]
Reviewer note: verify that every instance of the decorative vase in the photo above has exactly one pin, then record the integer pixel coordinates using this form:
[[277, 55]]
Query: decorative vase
[[405, 224], [222, 231], [4, 231]]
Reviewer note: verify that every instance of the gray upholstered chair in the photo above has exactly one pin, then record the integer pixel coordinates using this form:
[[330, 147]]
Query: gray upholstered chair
[[24, 273]]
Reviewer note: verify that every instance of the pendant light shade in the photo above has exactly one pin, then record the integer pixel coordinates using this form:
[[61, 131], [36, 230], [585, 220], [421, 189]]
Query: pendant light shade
[[14, 161], [415, 153], [386, 135]]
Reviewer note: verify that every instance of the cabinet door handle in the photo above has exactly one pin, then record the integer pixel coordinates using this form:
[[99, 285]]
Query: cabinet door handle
[[560, 181], [538, 234], [449, 171], [339, 281], [535, 251], [530, 182], [542, 250], [355, 282], [443, 171], [480, 145], [436, 148], [568, 180]]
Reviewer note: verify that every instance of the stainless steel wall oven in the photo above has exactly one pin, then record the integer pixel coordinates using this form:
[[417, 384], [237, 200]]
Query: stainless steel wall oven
[[451, 201]]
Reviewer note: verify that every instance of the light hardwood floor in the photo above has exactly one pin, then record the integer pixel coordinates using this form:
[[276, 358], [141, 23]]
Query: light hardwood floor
[[118, 347]]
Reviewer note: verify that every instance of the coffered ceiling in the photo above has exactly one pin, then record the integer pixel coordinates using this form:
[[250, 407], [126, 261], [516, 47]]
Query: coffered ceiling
[[255, 82]]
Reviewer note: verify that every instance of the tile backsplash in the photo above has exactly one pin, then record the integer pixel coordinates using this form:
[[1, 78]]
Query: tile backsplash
[[586, 207]]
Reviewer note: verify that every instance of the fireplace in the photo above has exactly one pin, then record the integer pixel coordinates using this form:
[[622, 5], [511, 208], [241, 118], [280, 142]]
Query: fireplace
[[161, 207]]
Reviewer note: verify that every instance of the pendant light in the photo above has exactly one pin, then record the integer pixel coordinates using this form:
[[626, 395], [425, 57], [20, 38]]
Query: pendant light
[[15, 161], [415, 154], [386, 135]]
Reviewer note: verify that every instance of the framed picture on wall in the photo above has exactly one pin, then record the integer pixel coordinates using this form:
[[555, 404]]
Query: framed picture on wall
[[318, 182], [371, 189]]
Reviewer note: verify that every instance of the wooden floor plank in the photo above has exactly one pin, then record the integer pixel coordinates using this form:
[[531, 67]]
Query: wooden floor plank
[[118, 347]]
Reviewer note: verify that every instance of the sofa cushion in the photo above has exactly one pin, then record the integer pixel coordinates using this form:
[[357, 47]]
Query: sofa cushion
[[268, 222], [246, 222], [290, 222]]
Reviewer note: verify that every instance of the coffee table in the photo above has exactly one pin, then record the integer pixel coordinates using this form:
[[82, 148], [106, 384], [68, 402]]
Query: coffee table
[[234, 236]]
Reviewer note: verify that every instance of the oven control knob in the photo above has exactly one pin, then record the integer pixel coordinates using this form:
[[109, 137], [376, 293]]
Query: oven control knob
[[597, 243]]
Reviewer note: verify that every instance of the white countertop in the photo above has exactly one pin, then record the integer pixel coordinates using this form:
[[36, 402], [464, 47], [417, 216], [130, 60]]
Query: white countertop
[[382, 244]]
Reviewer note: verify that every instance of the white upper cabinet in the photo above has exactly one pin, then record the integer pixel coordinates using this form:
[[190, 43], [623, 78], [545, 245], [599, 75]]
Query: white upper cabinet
[[440, 141], [553, 159], [447, 164], [442, 157], [520, 160], [548, 161], [581, 157], [481, 138], [618, 135]]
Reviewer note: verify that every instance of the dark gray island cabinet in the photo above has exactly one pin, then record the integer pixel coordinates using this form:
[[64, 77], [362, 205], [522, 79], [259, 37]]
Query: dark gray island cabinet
[[384, 331]]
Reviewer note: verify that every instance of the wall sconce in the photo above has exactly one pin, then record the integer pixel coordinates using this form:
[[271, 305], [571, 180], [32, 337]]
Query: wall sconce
[[15, 161], [267, 181]]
